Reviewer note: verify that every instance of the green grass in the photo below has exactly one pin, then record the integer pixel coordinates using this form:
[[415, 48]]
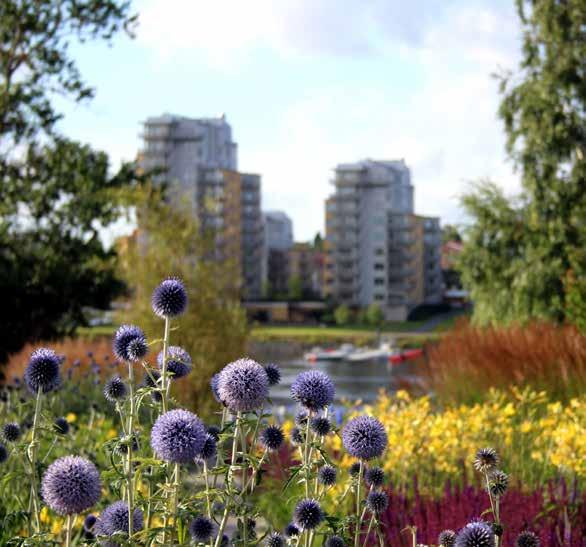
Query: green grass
[[91, 332]]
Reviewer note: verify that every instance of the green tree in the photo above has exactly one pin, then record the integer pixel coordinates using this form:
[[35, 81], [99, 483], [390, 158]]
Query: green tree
[[295, 288], [450, 232], [530, 249], [375, 316], [55, 195], [213, 330], [342, 315]]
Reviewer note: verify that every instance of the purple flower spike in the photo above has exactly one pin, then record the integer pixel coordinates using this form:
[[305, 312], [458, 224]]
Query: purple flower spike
[[169, 298], [178, 362], [313, 389], [178, 436], [364, 437], [127, 343], [243, 385], [42, 372]]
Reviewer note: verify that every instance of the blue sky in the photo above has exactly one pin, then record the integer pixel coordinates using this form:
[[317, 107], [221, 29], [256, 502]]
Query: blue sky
[[307, 84]]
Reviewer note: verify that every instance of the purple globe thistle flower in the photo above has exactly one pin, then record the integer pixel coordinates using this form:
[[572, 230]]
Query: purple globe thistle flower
[[209, 450], [178, 362], [61, 426], [335, 541], [42, 372], [89, 522], [291, 530], [364, 437], [169, 298], [127, 341], [296, 436], [354, 469], [178, 436], [115, 389], [313, 389], [374, 476], [486, 460], [301, 418], [214, 431], [273, 374], [475, 534], [447, 538], [11, 432], [377, 502], [327, 475], [115, 519], [243, 386], [3, 453], [308, 514], [71, 485], [320, 426], [527, 539], [275, 540], [271, 437], [137, 349], [201, 529], [215, 380], [499, 482]]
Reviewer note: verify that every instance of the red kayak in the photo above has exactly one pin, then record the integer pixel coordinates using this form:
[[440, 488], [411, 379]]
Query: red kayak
[[407, 355]]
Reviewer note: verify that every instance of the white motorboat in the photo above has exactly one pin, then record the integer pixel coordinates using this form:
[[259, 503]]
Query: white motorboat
[[329, 354], [371, 354]]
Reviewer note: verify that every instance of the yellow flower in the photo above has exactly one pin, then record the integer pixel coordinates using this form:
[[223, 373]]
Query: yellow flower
[[71, 417], [44, 515], [111, 434]]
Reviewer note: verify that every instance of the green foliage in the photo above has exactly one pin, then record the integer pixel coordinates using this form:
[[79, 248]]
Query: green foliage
[[450, 232], [342, 315], [295, 289], [213, 329], [374, 315], [528, 249], [54, 196]]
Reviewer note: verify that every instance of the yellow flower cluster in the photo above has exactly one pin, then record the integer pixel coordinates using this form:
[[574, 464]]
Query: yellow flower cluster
[[536, 438]]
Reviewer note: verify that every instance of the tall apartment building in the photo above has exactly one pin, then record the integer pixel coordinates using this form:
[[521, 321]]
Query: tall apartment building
[[306, 264], [198, 159], [278, 236], [375, 243]]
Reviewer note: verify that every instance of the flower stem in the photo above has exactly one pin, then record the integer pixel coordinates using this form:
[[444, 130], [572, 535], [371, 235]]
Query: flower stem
[[368, 531], [358, 523], [164, 379], [68, 533], [205, 476], [32, 455], [129, 449]]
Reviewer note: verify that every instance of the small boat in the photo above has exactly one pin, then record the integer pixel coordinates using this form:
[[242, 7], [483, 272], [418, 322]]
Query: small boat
[[405, 355], [371, 354], [329, 354]]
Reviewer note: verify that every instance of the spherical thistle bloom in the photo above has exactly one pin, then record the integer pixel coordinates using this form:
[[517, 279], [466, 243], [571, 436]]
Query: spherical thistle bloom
[[374, 476], [272, 437], [214, 431], [61, 426], [243, 385], [296, 436], [273, 374], [301, 418], [275, 540], [215, 380], [71, 485], [313, 389], [447, 538], [527, 539], [475, 534], [178, 436], [308, 514], [115, 389], [3, 453], [209, 449], [499, 482], [126, 341], [115, 519], [320, 426], [486, 460], [89, 522], [11, 432], [364, 437], [42, 372], [137, 349], [201, 529], [335, 541], [377, 501], [354, 469], [169, 298], [179, 362], [327, 475], [292, 530]]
